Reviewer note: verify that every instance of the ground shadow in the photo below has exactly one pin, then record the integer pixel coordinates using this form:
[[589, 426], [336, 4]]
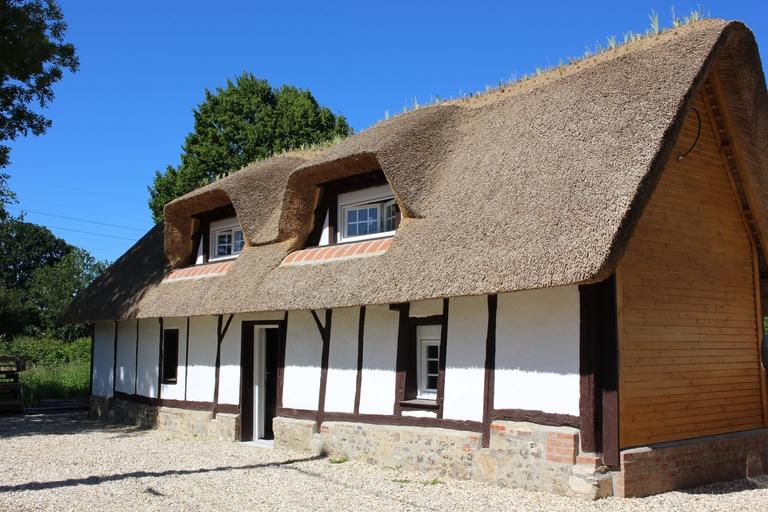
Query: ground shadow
[[733, 486], [96, 480], [58, 424]]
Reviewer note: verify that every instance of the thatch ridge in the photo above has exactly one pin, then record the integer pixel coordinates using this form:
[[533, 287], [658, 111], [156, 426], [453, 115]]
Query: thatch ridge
[[536, 186]]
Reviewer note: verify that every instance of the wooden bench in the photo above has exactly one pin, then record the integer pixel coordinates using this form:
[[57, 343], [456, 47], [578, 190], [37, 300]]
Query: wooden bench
[[11, 393]]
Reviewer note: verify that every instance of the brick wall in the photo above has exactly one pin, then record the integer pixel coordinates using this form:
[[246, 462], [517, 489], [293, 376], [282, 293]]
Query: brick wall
[[661, 468]]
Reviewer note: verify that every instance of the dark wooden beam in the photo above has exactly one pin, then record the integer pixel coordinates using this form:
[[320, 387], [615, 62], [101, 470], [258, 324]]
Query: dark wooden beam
[[442, 358], [382, 419], [403, 345], [359, 376], [186, 362], [325, 332], [178, 404], [281, 360], [114, 362], [160, 361], [136, 361], [538, 417], [221, 331], [490, 370], [93, 344]]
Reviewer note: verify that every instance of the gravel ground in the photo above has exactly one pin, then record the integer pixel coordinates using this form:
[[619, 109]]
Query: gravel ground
[[67, 462]]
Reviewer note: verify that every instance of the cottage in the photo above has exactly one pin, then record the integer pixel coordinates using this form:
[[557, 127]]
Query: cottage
[[556, 285]]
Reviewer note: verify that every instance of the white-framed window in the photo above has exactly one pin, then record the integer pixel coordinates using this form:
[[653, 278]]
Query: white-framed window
[[428, 360], [367, 213], [226, 239]]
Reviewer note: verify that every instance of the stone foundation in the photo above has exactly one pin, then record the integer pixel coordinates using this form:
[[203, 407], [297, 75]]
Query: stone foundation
[[182, 421], [690, 463], [522, 455]]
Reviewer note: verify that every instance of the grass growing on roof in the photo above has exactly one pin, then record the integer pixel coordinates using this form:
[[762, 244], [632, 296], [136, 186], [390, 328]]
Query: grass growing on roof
[[613, 43]]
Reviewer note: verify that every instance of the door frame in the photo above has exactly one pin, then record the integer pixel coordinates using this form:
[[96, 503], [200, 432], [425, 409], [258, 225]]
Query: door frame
[[247, 429]]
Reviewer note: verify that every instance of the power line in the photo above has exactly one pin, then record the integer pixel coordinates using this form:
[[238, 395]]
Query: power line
[[77, 219], [93, 233]]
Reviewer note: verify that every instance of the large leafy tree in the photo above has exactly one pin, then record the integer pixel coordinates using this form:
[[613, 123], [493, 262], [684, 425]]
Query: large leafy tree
[[33, 56], [52, 288], [244, 121]]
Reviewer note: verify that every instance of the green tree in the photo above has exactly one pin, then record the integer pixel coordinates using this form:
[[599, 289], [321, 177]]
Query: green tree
[[33, 56], [244, 121], [6, 197], [25, 247], [52, 288]]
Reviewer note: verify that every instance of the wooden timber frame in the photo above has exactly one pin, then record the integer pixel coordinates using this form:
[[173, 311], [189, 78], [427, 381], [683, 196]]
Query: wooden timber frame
[[689, 293]]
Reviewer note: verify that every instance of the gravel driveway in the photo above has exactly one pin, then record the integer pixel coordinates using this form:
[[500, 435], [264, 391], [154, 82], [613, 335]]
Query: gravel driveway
[[67, 462]]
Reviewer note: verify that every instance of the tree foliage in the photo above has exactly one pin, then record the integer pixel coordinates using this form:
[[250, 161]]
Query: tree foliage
[[33, 56], [244, 121]]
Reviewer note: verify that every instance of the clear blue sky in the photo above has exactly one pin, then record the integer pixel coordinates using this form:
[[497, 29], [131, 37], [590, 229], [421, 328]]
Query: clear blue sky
[[145, 65]]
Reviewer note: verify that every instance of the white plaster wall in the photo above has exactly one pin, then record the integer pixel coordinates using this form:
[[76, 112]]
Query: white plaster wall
[[202, 358], [424, 308], [303, 350], [229, 370], [537, 351], [149, 356], [377, 389], [126, 356], [342, 361], [420, 414], [465, 358], [103, 347], [176, 391]]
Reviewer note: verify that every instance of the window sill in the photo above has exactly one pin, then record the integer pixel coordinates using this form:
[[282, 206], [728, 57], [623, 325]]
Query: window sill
[[169, 381], [221, 258], [420, 404]]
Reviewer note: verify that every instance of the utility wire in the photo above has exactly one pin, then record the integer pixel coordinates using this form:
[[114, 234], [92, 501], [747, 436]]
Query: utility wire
[[92, 233], [77, 219]]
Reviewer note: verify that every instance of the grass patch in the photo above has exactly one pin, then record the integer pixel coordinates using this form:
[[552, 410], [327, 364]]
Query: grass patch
[[401, 480], [434, 481], [55, 369], [68, 380], [338, 460]]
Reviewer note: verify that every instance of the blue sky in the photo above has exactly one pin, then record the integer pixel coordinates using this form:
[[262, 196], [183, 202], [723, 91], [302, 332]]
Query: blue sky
[[145, 65]]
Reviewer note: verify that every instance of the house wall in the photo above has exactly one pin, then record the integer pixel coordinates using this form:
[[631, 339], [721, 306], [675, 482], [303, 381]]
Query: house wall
[[176, 391], [103, 350], [342, 360], [537, 351], [202, 358], [377, 386], [149, 357], [303, 350], [688, 319], [126, 356]]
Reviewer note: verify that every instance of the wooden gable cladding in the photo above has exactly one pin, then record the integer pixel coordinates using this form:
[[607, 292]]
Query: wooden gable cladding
[[688, 307]]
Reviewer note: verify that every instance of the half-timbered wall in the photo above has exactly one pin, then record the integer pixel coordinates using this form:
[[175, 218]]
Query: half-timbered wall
[[103, 352], [148, 357], [126, 356], [302, 362], [687, 309], [537, 351]]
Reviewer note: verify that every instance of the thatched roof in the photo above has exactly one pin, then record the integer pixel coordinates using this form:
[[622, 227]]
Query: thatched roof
[[533, 186]]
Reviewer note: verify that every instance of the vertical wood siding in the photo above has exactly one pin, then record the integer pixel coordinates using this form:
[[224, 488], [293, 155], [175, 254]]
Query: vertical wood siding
[[687, 313]]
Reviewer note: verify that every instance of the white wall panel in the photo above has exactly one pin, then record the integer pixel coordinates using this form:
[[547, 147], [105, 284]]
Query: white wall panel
[[202, 358], [176, 391], [303, 350], [537, 350], [377, 392], [103, 350], [465, 358], [229, 371], [126, 356], [342, 361], [149, 357]]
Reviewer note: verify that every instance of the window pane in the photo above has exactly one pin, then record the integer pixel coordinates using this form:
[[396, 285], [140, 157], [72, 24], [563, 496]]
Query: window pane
[[433, 351], [351, 215], [239, 242], [432, 382], [432, 367], [373, 226], [224, 244], [362, 215], [352, 230], [170, 354], [362, 229]]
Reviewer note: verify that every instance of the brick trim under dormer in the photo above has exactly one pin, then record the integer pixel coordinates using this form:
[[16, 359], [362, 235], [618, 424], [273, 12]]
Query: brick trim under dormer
[[337, 252]]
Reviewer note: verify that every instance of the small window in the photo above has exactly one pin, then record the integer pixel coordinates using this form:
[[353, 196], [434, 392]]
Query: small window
[[429, 362], [170, 355], [227, 242], [367, 213]]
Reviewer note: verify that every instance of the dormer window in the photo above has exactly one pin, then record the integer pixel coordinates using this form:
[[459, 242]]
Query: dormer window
[[226, 239], [367, 213], [354, 209]]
